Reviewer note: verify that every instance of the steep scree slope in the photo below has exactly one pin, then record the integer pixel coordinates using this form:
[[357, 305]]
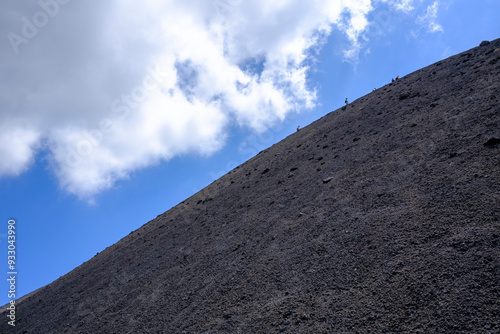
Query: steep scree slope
[[382, 216]]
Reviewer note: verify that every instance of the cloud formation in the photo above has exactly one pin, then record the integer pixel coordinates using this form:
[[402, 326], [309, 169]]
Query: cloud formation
[[429, 19], [402, 5], [110, 87]]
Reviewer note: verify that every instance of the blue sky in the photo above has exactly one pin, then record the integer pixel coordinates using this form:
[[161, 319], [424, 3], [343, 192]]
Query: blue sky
[[112, 113]]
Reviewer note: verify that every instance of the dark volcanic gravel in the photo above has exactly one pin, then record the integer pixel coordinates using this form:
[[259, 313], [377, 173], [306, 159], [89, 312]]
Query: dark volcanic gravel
[[381, 217]]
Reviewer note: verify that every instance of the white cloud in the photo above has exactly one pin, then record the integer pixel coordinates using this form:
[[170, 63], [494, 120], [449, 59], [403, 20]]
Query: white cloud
[[430, 17], [111, 87], [17, 146], [354, 26], [402, 5]]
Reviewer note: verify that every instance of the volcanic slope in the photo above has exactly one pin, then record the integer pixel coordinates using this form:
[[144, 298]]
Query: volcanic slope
[[382, 216]]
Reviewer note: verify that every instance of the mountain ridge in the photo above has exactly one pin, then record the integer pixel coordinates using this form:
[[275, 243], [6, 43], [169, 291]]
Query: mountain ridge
[[382, 216]]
